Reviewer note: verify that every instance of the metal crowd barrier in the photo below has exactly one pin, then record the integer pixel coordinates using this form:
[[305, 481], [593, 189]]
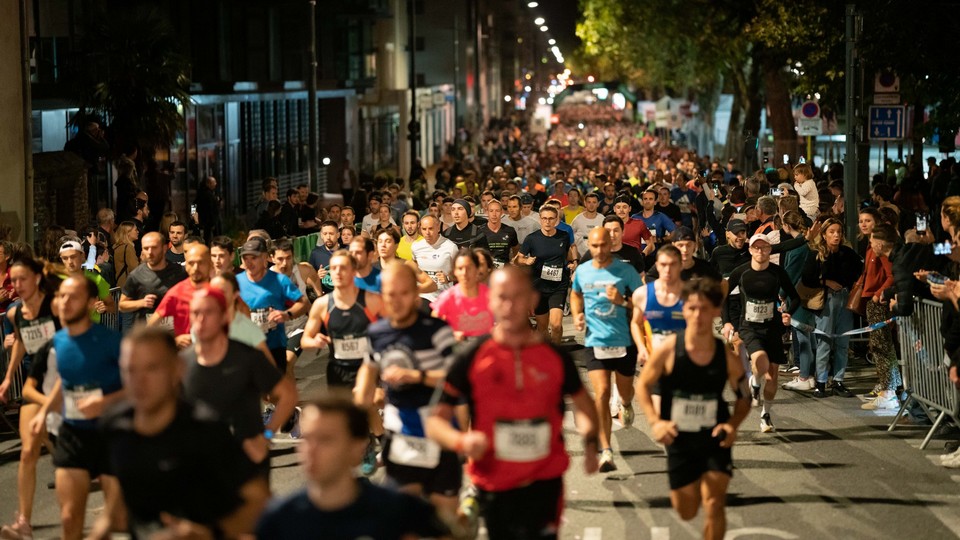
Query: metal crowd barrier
[[926, 370], [15, 393], [112, 320]]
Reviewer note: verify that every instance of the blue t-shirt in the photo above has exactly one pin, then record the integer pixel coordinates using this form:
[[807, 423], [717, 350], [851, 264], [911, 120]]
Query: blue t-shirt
[[566, 228], [607, 324], [371, 282], [88, 364], [659, 224], [273, 291]]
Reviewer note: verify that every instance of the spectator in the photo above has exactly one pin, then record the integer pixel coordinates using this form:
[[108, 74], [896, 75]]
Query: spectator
[[208, 209], [124, 252], [270, 222], [289, 215], [268, 192], [127, 189], [91, 145]]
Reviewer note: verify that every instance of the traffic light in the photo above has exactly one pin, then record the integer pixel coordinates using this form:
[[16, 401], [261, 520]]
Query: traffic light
[[413, 131]]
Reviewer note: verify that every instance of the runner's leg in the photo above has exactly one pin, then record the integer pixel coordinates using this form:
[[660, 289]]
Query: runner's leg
[[600, 381], [686, 500], [713, 490], [113, 506], [543, 324], [556, 324], [29, 455], [73, 486]]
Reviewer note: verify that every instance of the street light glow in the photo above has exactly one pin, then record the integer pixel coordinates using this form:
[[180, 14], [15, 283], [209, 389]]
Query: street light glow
[[507, 98], [590, 78], [326, 161], [539, 21], [544, 28], [532, 4], [526, 88], [551, 41]]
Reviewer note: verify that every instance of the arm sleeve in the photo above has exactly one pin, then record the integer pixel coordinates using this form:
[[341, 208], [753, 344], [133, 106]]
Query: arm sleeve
[[793, 298], [526, 246], [810, 276], [443, 341], [572, 384], [667, 223], [265, 375], [575, 283], [457, 388], [788, 245], [726, 313], [513, 241]]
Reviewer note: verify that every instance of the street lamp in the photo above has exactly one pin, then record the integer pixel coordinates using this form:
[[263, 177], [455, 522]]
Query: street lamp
[[544, 28], [539, 21], [532, 4], [551, 41]]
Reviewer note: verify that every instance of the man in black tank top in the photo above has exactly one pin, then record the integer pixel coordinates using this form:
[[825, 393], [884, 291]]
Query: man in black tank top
[[694, 421], [340, 320]]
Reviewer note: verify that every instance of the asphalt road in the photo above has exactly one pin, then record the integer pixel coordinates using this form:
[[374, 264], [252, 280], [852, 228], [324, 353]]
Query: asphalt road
[[829, 471]]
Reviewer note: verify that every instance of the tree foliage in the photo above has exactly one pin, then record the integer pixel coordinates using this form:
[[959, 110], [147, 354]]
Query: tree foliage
[[132, 72]]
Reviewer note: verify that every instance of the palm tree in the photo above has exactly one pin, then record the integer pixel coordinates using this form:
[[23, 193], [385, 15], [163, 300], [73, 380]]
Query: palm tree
[[131, 71]]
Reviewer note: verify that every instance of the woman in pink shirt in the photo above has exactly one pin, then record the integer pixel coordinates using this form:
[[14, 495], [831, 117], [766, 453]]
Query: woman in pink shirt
[[465, 307]]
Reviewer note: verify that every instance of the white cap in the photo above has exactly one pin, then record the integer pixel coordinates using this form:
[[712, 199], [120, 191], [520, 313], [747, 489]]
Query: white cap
[[759, 238], [71, 245]]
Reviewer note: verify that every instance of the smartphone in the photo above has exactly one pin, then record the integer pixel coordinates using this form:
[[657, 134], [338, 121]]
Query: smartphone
[[935, 278], [776, 192], [786, 158], [943, 248], [921, 224], [193, 209]]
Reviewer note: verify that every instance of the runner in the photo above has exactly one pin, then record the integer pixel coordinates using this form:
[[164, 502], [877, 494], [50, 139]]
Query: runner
[[635, 233], [88, 365], [552, 258], [327, 243], [334, 501], [411, 352], [586, 220], [300, 275], [685, 240], [502, 240], [694, 421], [178, 469], [72, 256], [410, 225], [658, 304], [627, 254], [463, 233], [515, 447], [273, 299], [600, 303], [465, 306], [364, 252], [174, 310], [242, 329], [761, 330], [149, 282], [222, 253], [524, 225], [177, 233], [659, 225], [229, 378], [35, 320], [434, 255]]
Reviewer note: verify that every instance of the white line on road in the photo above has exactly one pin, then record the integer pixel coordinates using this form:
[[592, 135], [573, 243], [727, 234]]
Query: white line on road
[[947, 513], [592, 533], [659, 533]]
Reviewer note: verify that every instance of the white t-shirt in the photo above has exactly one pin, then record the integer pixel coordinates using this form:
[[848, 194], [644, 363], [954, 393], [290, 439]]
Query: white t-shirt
[[433, 259], [809, 198], [581, 228], [369, 221], [523, 226]]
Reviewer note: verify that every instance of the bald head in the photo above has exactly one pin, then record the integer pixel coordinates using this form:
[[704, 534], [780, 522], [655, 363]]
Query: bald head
[[600, 244], [400, 295], [430, 229], [154, 250], [512, 298], [197, 264]]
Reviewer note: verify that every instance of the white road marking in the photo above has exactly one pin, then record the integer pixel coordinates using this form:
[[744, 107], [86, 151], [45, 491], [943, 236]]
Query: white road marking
[[753, 531], [659, 533], [592, 533], [946, 513]]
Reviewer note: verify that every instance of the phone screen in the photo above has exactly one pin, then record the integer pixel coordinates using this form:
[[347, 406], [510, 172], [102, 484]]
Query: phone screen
[[921, 224]]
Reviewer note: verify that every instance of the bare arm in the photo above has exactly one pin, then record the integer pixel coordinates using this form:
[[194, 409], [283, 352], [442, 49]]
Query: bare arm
[[585, 417], [367, 379], [312, 338]]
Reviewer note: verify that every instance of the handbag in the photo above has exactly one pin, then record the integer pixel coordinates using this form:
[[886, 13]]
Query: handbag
[[811, 298], [855, 302]]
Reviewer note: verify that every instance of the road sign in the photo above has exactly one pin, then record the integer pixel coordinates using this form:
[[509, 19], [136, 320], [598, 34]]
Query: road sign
[[810, 109], [886, 82], [887, 123], [809, 127], [886, 99]]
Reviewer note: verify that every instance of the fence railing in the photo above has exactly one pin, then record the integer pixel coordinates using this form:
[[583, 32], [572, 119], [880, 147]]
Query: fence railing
[[926, 370]]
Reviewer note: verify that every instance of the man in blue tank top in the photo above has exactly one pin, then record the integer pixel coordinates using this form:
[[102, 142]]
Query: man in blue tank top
[[694, 422]]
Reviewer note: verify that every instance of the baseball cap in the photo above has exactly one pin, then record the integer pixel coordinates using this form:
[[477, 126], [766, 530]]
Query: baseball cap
[[526, 199], [622, 199], [71, 245], [736, 226], [254, 246], [466, 206], [758, 238], [683, 233]]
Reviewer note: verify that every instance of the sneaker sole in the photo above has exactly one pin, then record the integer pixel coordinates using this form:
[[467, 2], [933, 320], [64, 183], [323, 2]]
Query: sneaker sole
[[608, 467]]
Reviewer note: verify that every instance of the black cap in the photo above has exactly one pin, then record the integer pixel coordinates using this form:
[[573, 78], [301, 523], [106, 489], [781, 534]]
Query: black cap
[[526, 198], [623, 199], [683, 233], [254, 246], [736, 226]]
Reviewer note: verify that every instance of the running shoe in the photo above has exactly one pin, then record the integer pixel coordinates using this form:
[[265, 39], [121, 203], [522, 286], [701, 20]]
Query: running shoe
[[885, 401], [606, 461], [952, 461], [793, 369], [841, 390], [19, 530], [875, 392], [755, 392], [470, 510], [295, 423], [800, 384], [369, 464], [766, 424], [950, 456], [626, 414]]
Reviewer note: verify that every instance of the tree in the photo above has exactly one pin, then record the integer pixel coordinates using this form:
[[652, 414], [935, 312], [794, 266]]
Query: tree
[[131, 71]]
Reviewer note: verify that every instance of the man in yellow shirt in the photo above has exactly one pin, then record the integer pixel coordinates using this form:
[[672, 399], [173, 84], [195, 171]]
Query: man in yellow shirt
[[411, 233]]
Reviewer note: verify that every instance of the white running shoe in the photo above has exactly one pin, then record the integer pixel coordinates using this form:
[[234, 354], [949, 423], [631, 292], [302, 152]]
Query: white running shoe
[[800, 384], [951, 456], [952, 461], [887, 400], [766, 424], [626, 414], [606, 461], [756, 398]]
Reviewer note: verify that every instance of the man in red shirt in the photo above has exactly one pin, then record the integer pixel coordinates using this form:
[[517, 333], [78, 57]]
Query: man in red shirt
[[634, 230], [176, 303], [514, 383]]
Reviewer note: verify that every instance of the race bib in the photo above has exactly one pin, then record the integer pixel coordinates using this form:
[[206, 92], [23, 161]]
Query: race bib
[[350, 348], [694, 413], [606, 353], [759, 312], [261, 318], [551, 273], [521, 441], [414, 451], [36, 334], [71, 398]]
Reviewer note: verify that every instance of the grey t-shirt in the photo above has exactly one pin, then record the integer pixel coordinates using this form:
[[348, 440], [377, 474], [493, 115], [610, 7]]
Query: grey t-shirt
[[143, 281]]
